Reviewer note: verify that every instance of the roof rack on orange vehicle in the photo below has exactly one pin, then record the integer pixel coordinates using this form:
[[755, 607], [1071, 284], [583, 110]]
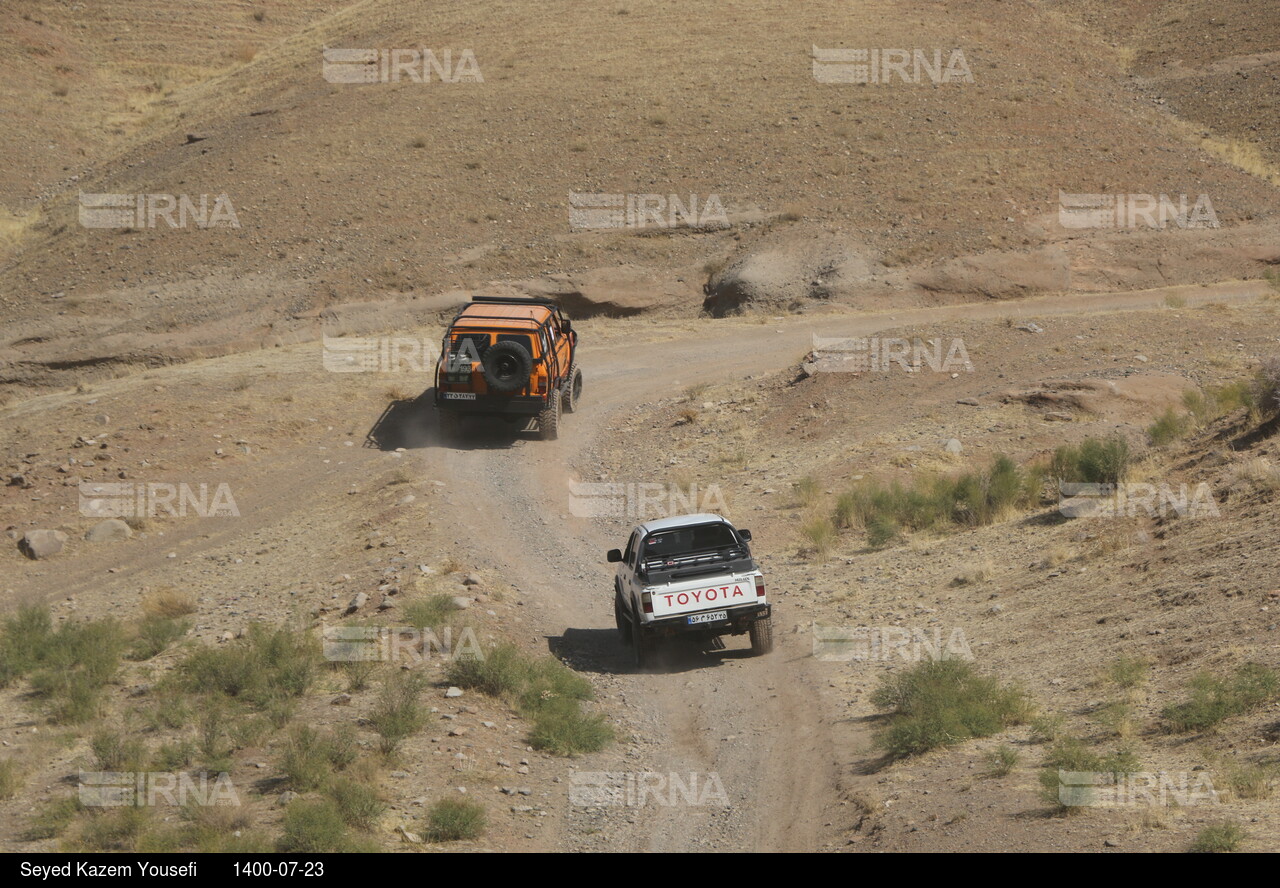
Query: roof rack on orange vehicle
[[514, 300]]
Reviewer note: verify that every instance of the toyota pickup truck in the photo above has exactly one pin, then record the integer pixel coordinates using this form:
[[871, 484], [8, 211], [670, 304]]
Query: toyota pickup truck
[[690, 574]]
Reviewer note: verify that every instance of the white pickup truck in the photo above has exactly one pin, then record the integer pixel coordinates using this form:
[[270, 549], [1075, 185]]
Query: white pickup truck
[[689, 574]]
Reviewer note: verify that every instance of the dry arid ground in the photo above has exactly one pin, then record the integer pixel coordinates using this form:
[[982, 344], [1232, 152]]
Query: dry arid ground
[[889, 212]]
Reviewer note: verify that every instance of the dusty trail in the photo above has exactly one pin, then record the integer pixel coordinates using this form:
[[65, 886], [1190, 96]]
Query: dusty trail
[[757, 723]]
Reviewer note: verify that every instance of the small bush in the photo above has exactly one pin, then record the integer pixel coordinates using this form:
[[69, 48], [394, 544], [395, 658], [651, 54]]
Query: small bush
[[112, 752], [311, 756], [1093, 461], [563, 729], [1251, 781], [358, 803], [942, 702], [53, 819], [1046, 728], [430, 612], [1215, 699], [70, 665], [1266, 386], [454, 820], [115, 829], [1071, 754], [1001, 761], [820, 534], [1128, 672], [807, 491], [1168, 428], [1219, 838], [398, 713], [314, 828], [10, 778], [168, 602], [266, 666], [544, 690], [155, 634]]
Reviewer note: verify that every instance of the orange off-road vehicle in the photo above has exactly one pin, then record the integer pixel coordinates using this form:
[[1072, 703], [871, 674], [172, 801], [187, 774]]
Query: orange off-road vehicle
[[510, 357]]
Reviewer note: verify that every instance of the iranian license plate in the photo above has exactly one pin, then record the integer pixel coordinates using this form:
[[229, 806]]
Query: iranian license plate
[[708, 617], [459, 396]]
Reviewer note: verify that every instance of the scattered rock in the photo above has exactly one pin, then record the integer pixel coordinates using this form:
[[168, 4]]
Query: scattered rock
[[968, 402], [111, 530], [453, 692], [462, 602], [357, 602], [286, 797], [37, 544], [341, 700], [411, 837], [953, 446]]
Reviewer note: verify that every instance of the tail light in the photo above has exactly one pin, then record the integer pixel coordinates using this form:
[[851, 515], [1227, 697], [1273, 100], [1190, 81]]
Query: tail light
[[646, 602], [542, 385], [759, 587]]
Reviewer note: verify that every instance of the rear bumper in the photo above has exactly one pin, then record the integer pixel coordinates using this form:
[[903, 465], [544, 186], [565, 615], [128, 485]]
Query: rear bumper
[[739, 620], [493, 405]]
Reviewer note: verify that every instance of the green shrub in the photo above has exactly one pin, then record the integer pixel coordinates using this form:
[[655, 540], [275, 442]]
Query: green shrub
[[1169, 427], [942, 702], [155, 634], [1215, 699], [398, 713], [970, 499], [1128, 672], [312, 756], [315, 827], [358, 803], [267, 666], [10, 778], [430, 612], [53, 819], [113, 752], [1219, 838], [1002, 760], [544, 690], [69, 666], [1074, 755], [453, 820], [115, 829], [1093, 461], [820, 534]]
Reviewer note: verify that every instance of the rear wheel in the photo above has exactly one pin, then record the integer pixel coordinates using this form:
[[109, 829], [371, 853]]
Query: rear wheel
[[549, 420], [762, 636], [639, 644], [573, 391], [620, 620]]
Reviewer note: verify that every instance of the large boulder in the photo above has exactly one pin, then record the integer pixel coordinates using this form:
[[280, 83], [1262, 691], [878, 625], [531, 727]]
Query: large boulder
[[37, 544]]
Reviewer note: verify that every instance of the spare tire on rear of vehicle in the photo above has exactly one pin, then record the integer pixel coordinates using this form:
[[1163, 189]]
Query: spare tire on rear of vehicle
[[507, 366]]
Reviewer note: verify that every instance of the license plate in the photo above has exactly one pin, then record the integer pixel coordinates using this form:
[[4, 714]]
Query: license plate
[[459, 396], [709, 617]]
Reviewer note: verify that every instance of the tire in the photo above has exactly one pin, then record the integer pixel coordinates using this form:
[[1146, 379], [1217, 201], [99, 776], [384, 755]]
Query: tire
[[549, 420], [762, 636], [640, 646], [621, 621], [573, 391], [507, 366]]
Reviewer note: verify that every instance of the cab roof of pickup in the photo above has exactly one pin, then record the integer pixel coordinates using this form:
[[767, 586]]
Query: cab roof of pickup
[[682, 521]]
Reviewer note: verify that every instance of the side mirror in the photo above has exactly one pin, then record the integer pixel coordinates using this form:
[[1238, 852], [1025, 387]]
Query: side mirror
[[746, 535], [614, 556]]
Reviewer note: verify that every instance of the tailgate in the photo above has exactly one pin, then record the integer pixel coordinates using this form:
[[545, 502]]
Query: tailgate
[[705, 595]]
